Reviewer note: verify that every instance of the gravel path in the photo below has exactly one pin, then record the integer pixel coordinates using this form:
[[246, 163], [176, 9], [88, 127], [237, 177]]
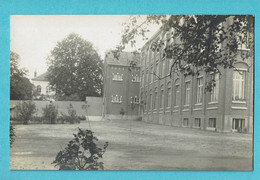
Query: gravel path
[[135, 145]]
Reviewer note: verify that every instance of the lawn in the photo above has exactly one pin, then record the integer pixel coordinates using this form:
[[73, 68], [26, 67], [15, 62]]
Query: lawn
[[136, 145]]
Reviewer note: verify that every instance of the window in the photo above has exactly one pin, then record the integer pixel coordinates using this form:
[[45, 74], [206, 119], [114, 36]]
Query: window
[[197, 122], [39, 89], [187, 93], [215, 89], [155, 98], [157, 69], [147, 76], [168, 99], [177, 95], [142, 78], [116, 99], [135, 100], [146, 101], [151, 101], [185, 122], [170, 65], [163, 69], [135, 78], [238, 124], [212, 123], [151, 74], [117, 77], [199, 90], [162, 98], [47, 89], [238, 86]]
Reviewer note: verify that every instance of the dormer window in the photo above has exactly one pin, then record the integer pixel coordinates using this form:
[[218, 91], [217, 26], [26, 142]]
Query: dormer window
[[135, 78], [116, 99], [117, 77]]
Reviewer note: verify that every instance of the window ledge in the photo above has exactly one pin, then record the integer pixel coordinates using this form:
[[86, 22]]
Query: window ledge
[[187, 105], [175, 106], [211, 108], [211, 128], [117, 80], [116, 102], [239, 108], [239, 102], [196, 127], [198, 104], [184, 110], [213, 102]]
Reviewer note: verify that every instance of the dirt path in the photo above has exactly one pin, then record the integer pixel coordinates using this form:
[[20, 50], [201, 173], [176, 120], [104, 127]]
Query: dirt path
[[135, 145]]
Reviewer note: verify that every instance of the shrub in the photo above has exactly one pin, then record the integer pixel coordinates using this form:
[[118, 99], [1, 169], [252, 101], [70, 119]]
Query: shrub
[[50, 113], [12, 135], [82, 118], [25, 111], [81, 153], [72, 115]]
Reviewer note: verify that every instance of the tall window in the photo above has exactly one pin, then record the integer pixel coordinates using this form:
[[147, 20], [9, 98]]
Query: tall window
[[135, 100], [146, 101], [155, 98], [163, 69], [238, 86], [197, 122], [39, 89], [215, 90], [170, 65], [187, 93], [151, 100], [147, 76], [199, 90], [212, 123], [162, 98], [157, 69], [177, 94], [142, 78], [151, 74], [168, 99]]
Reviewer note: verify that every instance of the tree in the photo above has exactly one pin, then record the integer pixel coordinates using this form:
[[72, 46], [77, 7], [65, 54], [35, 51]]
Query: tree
[[25, 110], [195, 42], [75, 69], [20, 87]]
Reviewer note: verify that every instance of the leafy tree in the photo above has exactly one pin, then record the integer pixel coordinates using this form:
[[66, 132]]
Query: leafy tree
[[195, 42], [25, 110], [75, 69], [20, 87], [82, 153]]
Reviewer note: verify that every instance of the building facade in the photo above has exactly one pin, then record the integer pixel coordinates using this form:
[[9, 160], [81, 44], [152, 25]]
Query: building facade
[[183, 101], [121, 86], [42, 86]]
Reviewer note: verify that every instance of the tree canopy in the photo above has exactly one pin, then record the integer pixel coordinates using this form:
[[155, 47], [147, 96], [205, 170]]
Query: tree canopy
[[20, 87], [195, 42], [75, 69]]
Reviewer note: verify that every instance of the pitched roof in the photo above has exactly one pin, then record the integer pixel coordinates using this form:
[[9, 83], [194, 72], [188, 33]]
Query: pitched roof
[[42, 77]]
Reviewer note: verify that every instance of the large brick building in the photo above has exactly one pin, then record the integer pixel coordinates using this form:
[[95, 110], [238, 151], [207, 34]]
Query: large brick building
[[183, 102], [121, 86]]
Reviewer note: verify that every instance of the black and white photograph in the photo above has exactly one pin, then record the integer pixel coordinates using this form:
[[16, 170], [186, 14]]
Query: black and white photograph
[[132, 92]]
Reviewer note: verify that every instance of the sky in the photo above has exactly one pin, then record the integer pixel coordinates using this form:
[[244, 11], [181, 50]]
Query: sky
[[34, 36]]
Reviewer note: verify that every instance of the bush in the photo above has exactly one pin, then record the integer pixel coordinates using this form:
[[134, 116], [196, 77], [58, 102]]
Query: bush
[[12, 135], [72, 115], [50, 113], [25, 111], [82, 118], [82, 153]]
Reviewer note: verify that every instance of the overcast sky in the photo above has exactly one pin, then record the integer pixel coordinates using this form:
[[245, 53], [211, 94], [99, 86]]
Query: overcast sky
[[34, 36]]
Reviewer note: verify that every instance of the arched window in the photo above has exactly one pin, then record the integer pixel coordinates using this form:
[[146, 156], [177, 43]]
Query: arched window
[[177, 93], [155, 98], [168, 99]]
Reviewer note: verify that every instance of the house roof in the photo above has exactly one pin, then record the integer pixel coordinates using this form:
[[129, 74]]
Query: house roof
[[124, 58], [42, 77]]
